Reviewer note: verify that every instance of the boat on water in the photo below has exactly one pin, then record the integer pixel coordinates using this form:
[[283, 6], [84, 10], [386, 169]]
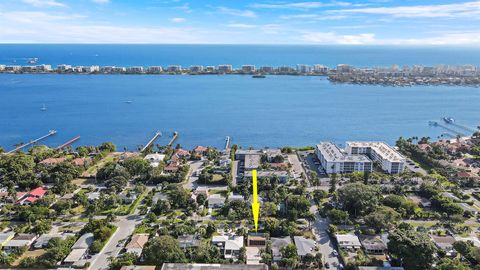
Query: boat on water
[[258, 76], [43, 108], [32, 61], [128, 101], [448, 120]]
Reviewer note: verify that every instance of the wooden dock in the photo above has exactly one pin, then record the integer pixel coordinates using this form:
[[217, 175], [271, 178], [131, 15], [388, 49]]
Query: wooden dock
[[68, 143], [50, 133], [157, 134], [175, 136]]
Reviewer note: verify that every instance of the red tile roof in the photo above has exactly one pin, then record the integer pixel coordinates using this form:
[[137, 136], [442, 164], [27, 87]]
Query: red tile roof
[[52, 161]]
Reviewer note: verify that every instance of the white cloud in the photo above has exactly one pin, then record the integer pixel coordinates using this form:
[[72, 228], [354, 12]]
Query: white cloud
[[316, 17], [466, 9], [334, 38], [177, 20], [448, 38], [242, 25], [237, 12], [44, 3], [101, 1], [305, 5]]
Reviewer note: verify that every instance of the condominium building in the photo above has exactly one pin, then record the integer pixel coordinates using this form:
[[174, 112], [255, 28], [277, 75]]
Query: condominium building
[[225, 68], [320, 69], [196, 68], [304, 68], [175, 68], [389, 159], [248, 68], [155, 69], [333, 160]]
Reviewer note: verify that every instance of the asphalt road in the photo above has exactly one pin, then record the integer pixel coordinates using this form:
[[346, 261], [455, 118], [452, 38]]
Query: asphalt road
[[125, 227], [320, 228]]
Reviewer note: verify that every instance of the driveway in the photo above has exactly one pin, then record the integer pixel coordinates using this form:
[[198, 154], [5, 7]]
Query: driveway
[[296, 165]]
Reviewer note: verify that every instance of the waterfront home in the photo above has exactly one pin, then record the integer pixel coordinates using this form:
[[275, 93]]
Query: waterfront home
[[171, 167], [155, 159], [137, 243], [251, 162], [216, 201], [52, 161], [229, 245], [19, 241], [81, 162], [200, 150], [272, 153], [32, 196], [277, 245], [304, 246], [348, 241]]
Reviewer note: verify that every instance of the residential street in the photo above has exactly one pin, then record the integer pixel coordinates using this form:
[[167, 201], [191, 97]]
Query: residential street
[[126, 226], [195, 166], [326, 246]]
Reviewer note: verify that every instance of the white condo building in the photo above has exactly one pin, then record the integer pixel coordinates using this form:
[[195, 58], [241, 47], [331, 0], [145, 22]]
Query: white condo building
[[333, 160], [390, 160]]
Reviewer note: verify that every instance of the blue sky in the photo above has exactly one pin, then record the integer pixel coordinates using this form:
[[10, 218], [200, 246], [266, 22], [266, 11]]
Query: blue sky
[[351, 22]]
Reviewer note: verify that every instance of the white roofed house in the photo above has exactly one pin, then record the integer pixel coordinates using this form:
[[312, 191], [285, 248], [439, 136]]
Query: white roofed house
[[154, 159], [229, 245], [20, 241], [304, 246], [348, 241], [277, 245], [79, 249], [216, 201]]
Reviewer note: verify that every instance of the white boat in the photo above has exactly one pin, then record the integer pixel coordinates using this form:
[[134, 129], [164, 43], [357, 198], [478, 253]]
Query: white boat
[[449, 120], [129, 102], [43, 108]]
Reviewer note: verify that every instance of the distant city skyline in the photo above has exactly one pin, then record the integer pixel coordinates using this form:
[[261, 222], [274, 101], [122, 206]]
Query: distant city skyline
[[328, 22]]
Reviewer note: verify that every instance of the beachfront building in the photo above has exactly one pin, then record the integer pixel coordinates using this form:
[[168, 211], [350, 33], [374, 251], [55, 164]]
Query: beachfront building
[[175, 68], [304, 68], [390, 160], [196, 68], [248, 68], [155, 69], [135, 70], [267, 69], [334, 160], [320, 69], [225, 68]]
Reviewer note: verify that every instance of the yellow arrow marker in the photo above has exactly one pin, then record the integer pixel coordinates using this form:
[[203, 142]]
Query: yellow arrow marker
[[255, 204]]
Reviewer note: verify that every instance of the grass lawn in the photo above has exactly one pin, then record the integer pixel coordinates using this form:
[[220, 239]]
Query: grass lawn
[[92, 171], [82, 181], [217, 178], [29, 253]]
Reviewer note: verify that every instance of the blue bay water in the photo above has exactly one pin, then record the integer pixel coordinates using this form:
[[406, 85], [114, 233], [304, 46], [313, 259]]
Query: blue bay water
[[276, 111]]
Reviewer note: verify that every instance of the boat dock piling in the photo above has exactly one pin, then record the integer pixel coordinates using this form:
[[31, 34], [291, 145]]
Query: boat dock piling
[[157, 134], [50, 133], [68, 143], [175, 135]]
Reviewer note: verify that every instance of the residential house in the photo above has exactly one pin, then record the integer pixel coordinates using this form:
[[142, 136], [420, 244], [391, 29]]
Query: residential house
[[198, 266], [272, 153], [277, 245], [43, 240], [379, 268], [200, 150], [282, 176], [348, 241], [229, 245], [137, 243], [256, 240], [81, 161], [373, 244], [216, 201], [445, 243], [52, 161], [19, 241], [32, 196], [468, 208], [5, 237], [79, 249], [189, 241], [154, 159], [304, 246], [420, 201], [138, 267]]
